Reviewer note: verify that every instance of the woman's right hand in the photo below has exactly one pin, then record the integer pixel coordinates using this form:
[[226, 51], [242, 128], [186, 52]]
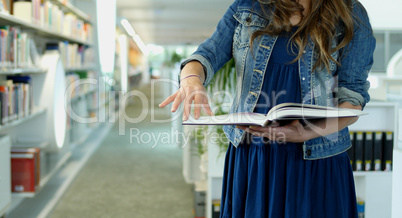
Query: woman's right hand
[[191, 90]]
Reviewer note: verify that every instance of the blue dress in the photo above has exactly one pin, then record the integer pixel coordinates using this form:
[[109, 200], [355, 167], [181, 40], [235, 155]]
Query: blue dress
[[268, 179]]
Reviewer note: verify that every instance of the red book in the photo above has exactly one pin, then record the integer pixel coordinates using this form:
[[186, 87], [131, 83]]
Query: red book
[[25, 176]]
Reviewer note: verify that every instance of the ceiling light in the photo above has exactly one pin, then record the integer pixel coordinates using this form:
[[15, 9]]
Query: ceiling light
[[137, 39], [127, 26]]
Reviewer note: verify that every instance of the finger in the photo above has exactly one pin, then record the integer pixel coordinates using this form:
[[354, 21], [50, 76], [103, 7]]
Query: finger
[[266, 133], [274, 124], [293, 123], [198, 99], [187, 106], [168, 100], [255, 133], [206, 107], [260, 128], [241, 127], [179, 98]]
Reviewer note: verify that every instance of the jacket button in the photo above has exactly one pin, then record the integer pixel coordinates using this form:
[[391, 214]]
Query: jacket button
[[304, 51], [308, 152], [248, 19], [303, 78]]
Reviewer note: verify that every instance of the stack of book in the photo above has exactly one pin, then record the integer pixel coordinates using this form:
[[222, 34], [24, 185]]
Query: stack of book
[[16, 49], [50, 16], [16, 98], [371, 151], [25, 170], [76, 56]]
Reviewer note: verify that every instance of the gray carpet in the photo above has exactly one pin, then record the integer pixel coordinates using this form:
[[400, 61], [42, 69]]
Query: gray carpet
[[124, 179]]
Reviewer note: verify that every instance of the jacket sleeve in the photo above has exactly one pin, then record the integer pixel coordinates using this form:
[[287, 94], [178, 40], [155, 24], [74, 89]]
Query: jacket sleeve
[[214, 52], [356, 61]]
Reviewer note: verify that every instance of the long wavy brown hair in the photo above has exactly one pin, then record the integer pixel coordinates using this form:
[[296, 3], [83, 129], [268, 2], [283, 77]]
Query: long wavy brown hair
[[319, 24]]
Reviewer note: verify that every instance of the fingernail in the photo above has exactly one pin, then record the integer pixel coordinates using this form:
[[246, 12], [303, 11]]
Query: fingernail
[[197, 116]]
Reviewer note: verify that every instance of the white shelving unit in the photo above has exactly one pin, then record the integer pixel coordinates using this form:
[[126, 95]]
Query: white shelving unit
[[397, 183], [23, 120], [375, 188], [48, 93], [68, 7], [5, 197], [7, 19], [216, 162], [23, 71]]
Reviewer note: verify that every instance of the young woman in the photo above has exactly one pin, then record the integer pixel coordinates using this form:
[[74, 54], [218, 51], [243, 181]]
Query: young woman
[[305, 51]]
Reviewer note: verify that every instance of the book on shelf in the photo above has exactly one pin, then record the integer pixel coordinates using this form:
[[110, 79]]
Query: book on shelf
[[25, 94], [359, 152], [216, 208], [368, 151], [25, 170], [76, 56], [50, 16], [360, 208], [372, 151], [281, 112], [16, 98], [388, 151], [378, 147], [4, 104], [17, 49], [7, 102]]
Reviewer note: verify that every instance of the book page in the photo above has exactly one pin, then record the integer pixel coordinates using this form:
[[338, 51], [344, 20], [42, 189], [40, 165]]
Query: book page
[[312, 113], [229, 119]]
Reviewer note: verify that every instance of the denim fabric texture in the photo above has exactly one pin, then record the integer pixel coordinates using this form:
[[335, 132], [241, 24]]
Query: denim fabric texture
[[345, 83]]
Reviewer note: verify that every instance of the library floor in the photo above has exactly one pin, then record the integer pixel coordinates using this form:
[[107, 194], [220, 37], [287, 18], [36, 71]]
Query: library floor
[[124, 179]]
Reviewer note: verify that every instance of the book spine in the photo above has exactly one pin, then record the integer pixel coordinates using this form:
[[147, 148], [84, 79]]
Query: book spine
[[15, 101], [388, 151], [25, 169], [359, 151], [378, 142], [23, 172], [368, 151], [4, 104], [216, 208]]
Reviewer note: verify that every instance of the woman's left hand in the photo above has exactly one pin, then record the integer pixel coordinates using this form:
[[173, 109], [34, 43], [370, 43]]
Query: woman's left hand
[[292, 132]]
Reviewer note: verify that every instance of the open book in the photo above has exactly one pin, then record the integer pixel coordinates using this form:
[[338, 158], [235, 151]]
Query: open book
[[281, 112]]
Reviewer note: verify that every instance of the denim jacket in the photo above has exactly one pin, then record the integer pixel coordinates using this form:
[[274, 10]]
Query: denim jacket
[[347, 82]]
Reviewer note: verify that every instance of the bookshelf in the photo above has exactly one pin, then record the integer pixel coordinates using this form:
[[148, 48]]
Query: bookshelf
[[17, 122], [375, 188], [68, 7], [46, 178], [45, 127], [22, 71], [7, 19]]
